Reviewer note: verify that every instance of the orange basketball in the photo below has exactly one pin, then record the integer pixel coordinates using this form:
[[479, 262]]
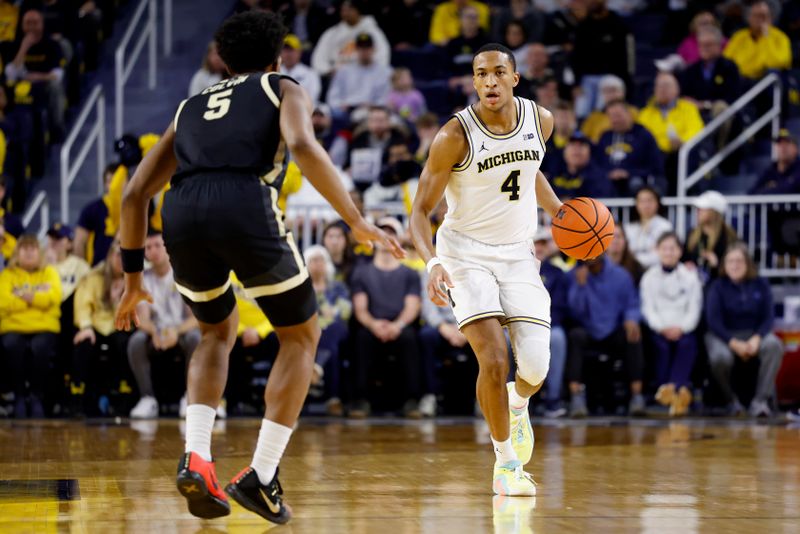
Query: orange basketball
[[583, 228]]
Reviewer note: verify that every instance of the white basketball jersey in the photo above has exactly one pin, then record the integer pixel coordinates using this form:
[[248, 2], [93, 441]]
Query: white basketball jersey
[[491, 195]]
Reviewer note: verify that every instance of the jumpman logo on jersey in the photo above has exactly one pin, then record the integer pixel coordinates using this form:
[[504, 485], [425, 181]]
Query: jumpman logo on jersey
[[483, 147]]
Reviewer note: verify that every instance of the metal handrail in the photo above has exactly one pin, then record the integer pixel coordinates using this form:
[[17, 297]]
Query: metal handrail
[[748, 215], [167, 28], [96, 136], [685, 180], [123, 69], [41, 206]]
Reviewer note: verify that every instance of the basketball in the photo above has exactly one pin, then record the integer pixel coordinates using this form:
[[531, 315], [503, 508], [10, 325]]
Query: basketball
[[583, 228]]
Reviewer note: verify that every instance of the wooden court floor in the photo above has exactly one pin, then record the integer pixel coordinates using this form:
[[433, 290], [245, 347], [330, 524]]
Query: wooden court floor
[[393, 477]]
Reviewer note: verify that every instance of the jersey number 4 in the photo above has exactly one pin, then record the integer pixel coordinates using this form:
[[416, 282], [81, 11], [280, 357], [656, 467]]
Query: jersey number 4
[[511, 185], [218, 105]]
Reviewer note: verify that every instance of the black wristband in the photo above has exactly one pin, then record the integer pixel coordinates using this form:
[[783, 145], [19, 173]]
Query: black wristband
[[132, 260]]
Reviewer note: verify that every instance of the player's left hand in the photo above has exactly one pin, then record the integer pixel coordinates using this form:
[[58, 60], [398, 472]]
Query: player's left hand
[[368, 234], [133, 294]]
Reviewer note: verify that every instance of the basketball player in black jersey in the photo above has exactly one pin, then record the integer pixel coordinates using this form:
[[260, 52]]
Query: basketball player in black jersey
[[225, 154]]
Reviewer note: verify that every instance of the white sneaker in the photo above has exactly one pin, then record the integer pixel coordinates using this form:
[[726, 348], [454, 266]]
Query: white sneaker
[[146, 408], [427, 405], [222, 411], [182, 407]]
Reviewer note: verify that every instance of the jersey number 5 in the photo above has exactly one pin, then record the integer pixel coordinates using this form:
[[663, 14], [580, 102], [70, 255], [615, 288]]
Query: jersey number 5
[[218, 105], [511, 185]]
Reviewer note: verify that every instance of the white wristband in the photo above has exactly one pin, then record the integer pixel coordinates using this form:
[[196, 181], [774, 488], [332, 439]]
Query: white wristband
[[433, 262]]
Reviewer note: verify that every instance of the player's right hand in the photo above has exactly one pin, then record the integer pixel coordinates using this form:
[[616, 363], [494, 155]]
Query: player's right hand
[[134, 293], [367, 234], [438, 283]]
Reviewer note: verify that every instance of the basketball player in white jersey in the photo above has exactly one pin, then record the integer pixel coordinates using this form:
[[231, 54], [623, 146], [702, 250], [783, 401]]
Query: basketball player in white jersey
[[486, 161]]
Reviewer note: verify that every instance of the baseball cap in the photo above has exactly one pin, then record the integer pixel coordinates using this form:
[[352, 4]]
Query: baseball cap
[[364, 40], [392, 223], [785, 135], [59, 231], [712, 200], [292, 41], [578, 137]]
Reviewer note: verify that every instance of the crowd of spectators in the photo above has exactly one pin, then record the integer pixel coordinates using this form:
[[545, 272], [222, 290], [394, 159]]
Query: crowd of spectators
[[659, 319]]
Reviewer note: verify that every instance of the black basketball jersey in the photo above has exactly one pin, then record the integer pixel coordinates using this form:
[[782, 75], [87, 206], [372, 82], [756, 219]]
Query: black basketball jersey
[[232, 127]]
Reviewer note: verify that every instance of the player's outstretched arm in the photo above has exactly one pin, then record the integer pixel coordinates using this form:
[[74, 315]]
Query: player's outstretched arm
[[447, 150], [150, 177], [545, 196], [298, 132]]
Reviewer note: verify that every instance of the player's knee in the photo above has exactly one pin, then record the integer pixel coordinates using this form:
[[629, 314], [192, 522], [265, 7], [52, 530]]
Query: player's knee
[[495, 365], [533, 361]]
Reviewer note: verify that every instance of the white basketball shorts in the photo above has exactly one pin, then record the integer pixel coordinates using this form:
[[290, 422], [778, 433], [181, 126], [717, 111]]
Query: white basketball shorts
[[500, 281]]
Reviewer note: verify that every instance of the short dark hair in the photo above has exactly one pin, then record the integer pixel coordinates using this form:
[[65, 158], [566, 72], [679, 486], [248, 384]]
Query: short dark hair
[[615, 102], [250, 41], [497, 47], [669, 235]]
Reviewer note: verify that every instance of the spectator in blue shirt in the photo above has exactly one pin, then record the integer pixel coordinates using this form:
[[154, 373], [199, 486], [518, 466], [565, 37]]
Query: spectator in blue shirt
[[604, 302], [628, 153], [579, 176], [557, 283], [740, 319]]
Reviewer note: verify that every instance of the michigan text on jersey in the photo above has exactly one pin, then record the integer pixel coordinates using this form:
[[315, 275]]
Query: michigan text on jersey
[[508, 157]]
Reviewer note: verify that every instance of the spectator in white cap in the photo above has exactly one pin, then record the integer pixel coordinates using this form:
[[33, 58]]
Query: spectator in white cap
[[612, 89], [712, 236]]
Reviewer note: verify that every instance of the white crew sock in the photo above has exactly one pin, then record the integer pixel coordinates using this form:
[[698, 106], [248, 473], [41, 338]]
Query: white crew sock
[[516, 401], [504, 451], [199, 423], [272, 440]]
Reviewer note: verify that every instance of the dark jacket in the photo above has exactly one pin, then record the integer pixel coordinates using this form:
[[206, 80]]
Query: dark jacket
[[721, 82], [743, 307], [460, 52], [557, 284], [317, 21], [601, 46], [774, 182], [634, 151], [588, 182]]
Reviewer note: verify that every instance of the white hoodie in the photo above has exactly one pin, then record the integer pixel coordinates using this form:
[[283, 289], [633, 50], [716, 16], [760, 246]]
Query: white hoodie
[[671, 298], [337, 45]]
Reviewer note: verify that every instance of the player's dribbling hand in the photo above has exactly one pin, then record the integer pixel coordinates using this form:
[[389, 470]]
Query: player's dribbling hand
[[368, 234], [134, 293], [438, 284]]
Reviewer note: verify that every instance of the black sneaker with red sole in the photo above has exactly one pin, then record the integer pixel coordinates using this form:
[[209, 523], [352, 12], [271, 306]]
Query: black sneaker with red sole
[[197, 481], [264, 500]]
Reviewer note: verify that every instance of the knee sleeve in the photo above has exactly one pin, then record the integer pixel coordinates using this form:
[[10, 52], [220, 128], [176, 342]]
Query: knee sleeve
[[532, 351]]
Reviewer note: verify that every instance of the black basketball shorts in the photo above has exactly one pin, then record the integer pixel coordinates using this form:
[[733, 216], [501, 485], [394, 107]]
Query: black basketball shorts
[[215, 224]]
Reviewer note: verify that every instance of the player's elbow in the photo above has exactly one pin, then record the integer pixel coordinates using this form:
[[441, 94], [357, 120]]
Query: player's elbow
[[301, 146]]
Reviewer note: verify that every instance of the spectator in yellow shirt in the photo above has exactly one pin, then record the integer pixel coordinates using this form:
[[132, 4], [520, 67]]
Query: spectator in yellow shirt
[[446, 22], [96, 300], [672, 120], [761, 46], [30, 307]]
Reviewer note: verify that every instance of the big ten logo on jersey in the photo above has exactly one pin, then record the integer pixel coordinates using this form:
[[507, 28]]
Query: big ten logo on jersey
[[219, 102], [528, 136]]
